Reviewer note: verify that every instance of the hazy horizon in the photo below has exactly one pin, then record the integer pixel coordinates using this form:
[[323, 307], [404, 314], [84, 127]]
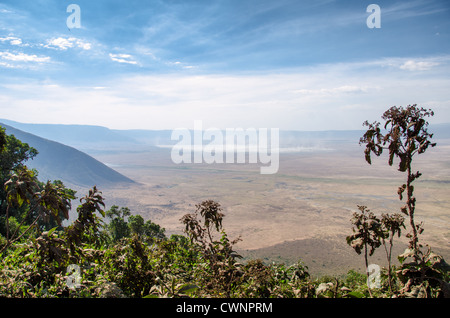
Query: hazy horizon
[[191, 129]]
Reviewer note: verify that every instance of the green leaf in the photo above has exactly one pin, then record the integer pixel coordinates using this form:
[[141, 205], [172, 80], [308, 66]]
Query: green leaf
[[355, 294], [50, 232], [19, 199], [188, 288]]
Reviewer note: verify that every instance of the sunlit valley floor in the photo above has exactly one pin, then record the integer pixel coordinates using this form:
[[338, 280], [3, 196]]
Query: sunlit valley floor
[[300, 213]]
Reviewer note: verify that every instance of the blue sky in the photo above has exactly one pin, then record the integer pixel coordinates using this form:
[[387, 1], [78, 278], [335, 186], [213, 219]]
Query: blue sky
[[161, 64]]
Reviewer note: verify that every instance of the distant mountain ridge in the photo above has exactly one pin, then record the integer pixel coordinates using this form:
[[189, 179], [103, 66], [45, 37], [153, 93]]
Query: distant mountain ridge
[[57, 161], [90, 139], [76, 136]]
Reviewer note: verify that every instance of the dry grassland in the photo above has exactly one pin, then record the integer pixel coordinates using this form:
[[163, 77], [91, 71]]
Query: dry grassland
[[300, 213]]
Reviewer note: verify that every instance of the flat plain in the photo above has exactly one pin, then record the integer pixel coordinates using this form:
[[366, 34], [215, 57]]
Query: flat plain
[[301, 213]]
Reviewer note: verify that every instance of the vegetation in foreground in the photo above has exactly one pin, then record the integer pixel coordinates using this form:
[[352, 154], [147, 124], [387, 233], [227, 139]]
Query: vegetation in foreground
[[127, 257]]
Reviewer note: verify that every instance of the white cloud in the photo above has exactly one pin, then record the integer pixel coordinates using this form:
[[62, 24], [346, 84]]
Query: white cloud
[[340, 96], [180, 64], [22, 57], [345, 89], [66, 43], [412, 65], [8, 65], [12, 40], [16, 42], [84, 45], [60, 43], [122, 58]]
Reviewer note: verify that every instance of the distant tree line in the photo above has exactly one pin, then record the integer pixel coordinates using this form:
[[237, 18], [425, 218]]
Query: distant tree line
[[123, 224]]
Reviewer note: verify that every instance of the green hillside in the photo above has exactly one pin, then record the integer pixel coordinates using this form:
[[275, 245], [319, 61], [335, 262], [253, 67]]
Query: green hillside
[[56, 161]]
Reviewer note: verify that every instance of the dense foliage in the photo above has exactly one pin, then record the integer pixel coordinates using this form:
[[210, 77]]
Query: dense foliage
[[114, 253]]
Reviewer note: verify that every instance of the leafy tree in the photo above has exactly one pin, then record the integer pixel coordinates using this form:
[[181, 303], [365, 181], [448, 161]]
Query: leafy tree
[[154, 230], [13, 156], [51, 201], [219, 254], [86, 228], [2, 139], [212, 216], [122, 224], [147, 229], [136, 224], [128, 264], [31, 203], [406, 136], [118, 226], [115, 212], [55, 220], [20, 189]]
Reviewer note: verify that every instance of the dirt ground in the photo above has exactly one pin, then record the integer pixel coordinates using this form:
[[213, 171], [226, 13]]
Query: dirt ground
[[300, 213]]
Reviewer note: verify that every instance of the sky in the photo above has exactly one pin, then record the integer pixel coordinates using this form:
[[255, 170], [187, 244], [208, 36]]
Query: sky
[[162, 64]]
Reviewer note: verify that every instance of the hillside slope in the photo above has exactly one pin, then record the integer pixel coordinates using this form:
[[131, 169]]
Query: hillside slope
[[56, 161]]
